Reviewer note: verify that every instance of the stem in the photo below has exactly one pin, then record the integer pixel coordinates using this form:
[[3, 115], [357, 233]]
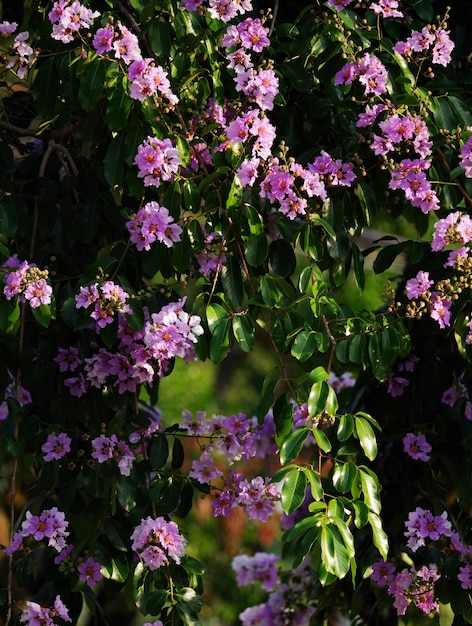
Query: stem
[[442, 156]]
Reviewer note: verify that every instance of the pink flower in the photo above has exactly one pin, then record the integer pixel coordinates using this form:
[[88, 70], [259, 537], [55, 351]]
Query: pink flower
[[418, 286]]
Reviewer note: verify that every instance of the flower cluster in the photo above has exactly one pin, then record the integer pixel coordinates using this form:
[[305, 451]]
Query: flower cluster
[[140, 355], [412, 586], [157, 161], [466, 157], [368, 71], [145, 77], [27, 282], [212, 257], [106, 448], [289, 603], [261, 567], [232, 438], [102, 301], [224, 10], [37, 615], [153, 223], [21, 55], [50, 526], [386, 8], [68, 17], [428, 42], [156, 541], [423, 525], [398, 381], [437, 298]]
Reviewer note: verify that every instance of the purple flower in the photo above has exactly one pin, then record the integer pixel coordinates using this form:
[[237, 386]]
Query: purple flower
[[36, 615], [156, 540], [418, 286], [261, 567], [89, 572], [440, 309], [382, 572], [465, 576], [417, 447], [153, 223], [56, 447]]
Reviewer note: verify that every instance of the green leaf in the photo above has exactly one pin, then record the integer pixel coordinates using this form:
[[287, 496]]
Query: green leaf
[[344, 475], [256, 250], [158, 451], [346, 427], [368, 202], [46, 88], [243, 330], [322, 440], [379, 536], [370, 489], [91, 83], [361, 513], [114, 162], [293, 491], [160, 38], [386, 257], [181, 251], [282, 259], [304, 345], [317, 398], [316, 486], [8, 217], [115, 568], [292, 446], [232, 281], [366, 437], [334, 554], [118, 108], [219, 343], [215, 313], [42, 314]]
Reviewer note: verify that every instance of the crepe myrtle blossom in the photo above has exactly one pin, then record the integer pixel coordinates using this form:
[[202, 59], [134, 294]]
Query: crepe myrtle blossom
[[368, 71], [22, 395], [455, 228], [105, 448], [386, 8], [428, 42], [104, 301], [90, 571], [157, 540], [27, 282], [261, 567], [56, 447], [37, 615], [416, 446], [423, 524], [465, 576], [382, 572], [68, 18], [466, 158], [153, 223], [415, 587], [50, 525], [148, 79], [418, 286], [157, 160]]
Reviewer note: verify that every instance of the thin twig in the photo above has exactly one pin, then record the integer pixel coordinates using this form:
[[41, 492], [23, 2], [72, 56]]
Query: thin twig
[[274, 17], [17, 130], [442, 156]]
